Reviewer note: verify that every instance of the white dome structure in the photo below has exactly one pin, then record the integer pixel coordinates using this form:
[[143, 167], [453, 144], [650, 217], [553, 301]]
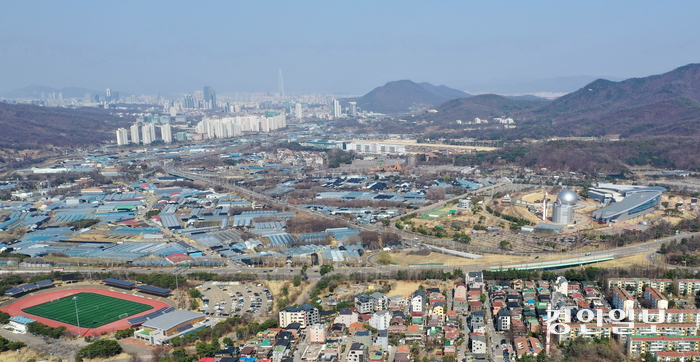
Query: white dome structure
[[568, 197], [563, 209]]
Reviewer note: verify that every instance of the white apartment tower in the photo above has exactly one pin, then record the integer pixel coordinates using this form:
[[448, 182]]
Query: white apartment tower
[[122, 137], [336, 110], [135, 133], [297, 111], [167, 133], [149, 133]]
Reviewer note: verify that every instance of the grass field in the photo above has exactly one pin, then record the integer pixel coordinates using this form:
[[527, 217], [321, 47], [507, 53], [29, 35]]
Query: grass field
[[94, 310]]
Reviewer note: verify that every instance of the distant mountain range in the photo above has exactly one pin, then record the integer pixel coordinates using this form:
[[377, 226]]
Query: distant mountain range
[[665, 104], [35, 91], [400, 96], [36, 127], [549, 85]]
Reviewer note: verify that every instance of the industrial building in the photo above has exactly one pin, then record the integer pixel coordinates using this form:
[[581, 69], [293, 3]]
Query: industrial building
[[626, 202]]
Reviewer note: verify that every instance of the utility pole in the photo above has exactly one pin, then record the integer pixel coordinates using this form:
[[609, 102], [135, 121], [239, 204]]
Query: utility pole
[[75, 301]]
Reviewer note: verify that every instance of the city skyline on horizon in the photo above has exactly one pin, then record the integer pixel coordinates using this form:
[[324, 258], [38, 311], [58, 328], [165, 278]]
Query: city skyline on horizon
[[149, 48]]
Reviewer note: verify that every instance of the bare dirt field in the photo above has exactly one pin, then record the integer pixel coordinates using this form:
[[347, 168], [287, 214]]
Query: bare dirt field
[[405, 289], [624, 262], [24, 354]]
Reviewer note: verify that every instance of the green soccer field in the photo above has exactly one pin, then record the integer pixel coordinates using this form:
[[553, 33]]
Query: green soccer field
[[94, 310]]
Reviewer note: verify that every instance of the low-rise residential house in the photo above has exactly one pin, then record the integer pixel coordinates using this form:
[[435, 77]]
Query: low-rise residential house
[[476, 322], [397, 303], [414, 332], [451, 333], [364, 304], [438, 310], [503, 320], [520, 346], [363, 337], [346, 317], [356, 327], [280, 350], [357, 353], [433, 333], [375, 354], [460, 291], [317, 333], [451, 318], [382, 339], [403, 354], [305, 315], [380, 301], [418, 301], [560, 285], [380, 320], [474, 295], [517, 284], [478, 343]]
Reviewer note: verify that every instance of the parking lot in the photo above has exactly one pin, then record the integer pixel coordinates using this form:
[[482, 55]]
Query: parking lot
[[235, 298]]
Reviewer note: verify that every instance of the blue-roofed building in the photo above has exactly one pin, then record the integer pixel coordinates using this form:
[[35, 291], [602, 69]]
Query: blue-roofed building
[[19, 323], [342, 233], [154, 290]]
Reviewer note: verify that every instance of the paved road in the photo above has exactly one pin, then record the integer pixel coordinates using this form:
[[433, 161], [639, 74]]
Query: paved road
[[469, 265]]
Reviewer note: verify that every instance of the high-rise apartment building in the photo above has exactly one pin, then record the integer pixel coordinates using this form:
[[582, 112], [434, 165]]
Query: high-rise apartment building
[[198, 99], [297, 111], [149, 133], [352, 109], [188, 102], [336, 110], [166, 133], [209, 97], [122, 137], [135, 133]]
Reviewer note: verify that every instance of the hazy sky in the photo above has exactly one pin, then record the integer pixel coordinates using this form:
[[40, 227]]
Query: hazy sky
[[335, 46]]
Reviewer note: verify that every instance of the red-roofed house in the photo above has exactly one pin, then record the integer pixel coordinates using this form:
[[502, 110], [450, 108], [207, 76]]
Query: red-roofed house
[[179, 258]]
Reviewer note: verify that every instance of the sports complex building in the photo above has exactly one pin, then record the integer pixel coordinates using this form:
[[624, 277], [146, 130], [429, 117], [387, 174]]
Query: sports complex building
[[624, 202]]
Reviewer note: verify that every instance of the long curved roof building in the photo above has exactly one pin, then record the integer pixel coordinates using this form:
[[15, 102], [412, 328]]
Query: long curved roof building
[[626, 202]]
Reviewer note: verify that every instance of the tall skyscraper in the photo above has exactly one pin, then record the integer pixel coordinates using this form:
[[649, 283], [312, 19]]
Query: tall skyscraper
[[280, 84], [108, 92], [352, 109], [188, 102], [122, 137], [198, 99], [135, 133], [209, 97], [149, 133], [297, 111], [166, 133], [336, 110]]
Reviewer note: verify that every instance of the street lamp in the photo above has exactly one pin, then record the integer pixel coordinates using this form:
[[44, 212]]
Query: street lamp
[[75, 301]]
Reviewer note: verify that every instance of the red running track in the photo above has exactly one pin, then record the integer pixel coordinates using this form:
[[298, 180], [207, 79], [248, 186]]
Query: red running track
[[15, 309]]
